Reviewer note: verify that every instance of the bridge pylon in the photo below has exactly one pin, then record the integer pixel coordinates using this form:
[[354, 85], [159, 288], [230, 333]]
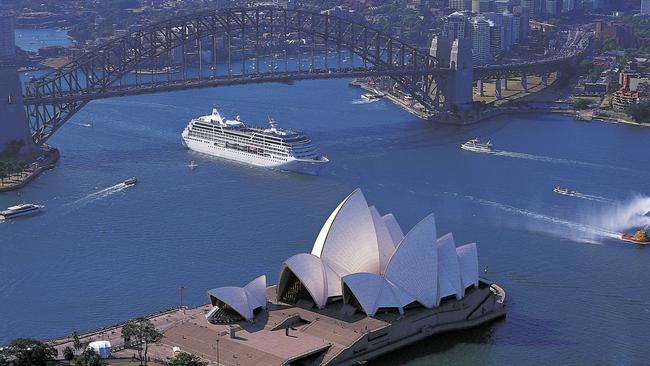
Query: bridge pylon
[[13, 122]]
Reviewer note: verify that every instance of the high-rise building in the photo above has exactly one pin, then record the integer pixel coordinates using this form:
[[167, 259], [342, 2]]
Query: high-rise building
[[645, 7], [7, 38], [568, 5], [552, 7], [524, 24], [457, 26], [534, 7], [481, 40], [502, 5], [482, 6], [460, 5]]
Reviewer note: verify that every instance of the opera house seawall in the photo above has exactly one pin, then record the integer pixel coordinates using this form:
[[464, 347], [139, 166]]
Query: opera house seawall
[[364, 290]]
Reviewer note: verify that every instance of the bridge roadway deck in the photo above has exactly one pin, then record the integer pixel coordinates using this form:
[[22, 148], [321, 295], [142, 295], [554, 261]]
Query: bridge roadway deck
[[162, 86]]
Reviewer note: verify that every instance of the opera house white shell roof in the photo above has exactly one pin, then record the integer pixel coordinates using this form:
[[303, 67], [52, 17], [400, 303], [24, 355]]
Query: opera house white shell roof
[[365, 259], [363, 256], [243, 300]]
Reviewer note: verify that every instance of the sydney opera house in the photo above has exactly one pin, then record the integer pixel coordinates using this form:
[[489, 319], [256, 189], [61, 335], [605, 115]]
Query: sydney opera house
[[365, 289]]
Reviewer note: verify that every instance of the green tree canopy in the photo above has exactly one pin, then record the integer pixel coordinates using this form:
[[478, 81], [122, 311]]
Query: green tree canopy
[[186, 359], [138, 335], [27, 352]]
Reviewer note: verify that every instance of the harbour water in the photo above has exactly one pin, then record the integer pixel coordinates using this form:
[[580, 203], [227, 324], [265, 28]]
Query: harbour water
[[33, 39], [102, 252]]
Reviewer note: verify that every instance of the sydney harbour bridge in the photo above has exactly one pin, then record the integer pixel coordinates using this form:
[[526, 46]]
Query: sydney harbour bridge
[[252, 45]]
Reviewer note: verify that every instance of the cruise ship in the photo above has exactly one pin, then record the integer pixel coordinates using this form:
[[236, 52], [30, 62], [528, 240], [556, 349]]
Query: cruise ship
[[271, 147]]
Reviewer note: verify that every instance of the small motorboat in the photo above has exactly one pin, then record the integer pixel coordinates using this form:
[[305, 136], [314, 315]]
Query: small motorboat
[[640, 237], [564, 191], [20, 210], [193, 164], [476, 145], [131, 181]]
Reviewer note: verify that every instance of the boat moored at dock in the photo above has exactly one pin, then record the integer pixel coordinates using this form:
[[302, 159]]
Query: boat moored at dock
[[271, 147], [375, 95], [20, 210]]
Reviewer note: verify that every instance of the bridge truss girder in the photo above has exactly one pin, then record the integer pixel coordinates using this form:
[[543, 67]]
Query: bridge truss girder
[[265, 39]]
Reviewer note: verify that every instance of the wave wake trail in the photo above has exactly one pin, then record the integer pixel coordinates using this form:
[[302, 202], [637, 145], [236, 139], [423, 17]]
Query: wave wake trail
[[589, 230], [547, 159], [100, 194], [363, 101], [633, 214], [594, 198]]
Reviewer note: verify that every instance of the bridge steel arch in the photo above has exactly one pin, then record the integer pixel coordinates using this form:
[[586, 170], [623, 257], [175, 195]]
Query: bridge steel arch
[[230, 46]]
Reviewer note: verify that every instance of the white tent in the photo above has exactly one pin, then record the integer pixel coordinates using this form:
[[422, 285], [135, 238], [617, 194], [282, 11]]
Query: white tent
[[102, 348]]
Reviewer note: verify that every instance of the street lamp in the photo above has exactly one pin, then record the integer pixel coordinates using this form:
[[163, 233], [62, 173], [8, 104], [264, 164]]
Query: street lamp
[[217, 347], [180, 291]]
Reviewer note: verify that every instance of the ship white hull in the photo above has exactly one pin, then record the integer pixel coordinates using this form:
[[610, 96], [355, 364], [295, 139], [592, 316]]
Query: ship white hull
[[20, 214], [311, 167], [476, 149]]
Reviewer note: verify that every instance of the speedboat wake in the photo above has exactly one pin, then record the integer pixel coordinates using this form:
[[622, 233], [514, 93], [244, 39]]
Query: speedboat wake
[[590, 231]]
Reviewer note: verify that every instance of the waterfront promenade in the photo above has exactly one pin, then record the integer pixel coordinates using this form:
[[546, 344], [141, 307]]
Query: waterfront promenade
[[43, 162], [284, 333]]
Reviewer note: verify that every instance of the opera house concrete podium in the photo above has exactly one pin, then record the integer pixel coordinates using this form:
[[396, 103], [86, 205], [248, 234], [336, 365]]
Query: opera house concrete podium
[[365, 289]]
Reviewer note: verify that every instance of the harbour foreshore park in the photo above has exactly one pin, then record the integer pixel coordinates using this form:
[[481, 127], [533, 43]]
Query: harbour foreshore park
[[365, 289]]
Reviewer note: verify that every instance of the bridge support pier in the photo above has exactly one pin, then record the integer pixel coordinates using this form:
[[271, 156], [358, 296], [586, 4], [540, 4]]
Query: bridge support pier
[[480, 90], [497, 89], [524, 84], [13, 121], [545, 79], [505, 83]]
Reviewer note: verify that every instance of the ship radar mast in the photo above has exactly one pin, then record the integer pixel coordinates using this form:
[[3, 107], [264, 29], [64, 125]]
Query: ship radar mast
[[272, 123]]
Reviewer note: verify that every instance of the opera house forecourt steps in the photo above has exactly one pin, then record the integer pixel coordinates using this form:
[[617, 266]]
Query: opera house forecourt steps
[[364, 290]]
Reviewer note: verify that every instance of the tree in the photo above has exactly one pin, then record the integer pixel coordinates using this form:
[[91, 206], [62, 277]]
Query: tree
[[27, 352], [3, 171], [68, 354], [640, 112], [13, 147], [77, 344], [186, 359], [90, 358], [138, 335], [579, 104], [9, 169]]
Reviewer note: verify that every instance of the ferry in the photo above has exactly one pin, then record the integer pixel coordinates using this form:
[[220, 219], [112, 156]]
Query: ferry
[[476, 145], [271, 147], [131, 181], [372, 96], [640, 237], [20, 210], [564, 191]]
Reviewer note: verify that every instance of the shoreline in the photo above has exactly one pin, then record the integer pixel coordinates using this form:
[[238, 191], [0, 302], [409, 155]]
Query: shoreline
[[52, 156], [188, 329]]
